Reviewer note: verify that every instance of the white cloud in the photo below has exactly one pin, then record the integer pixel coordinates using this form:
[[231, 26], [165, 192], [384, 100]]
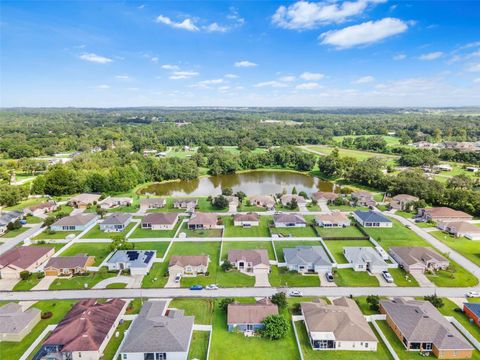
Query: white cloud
[[180, 75], [431, 56], [474, 67], [363, 34], [154, 59], [273, 84], [288, 78], [207, 83], [244, 63], [476, 81], [91, 57], [308, 15], [307, 86], [215, 27], [170, 67], [224, 88], [103, 86], [122, 77], [186, 24], [364, 80], [231, 76], [398, 57], [309, 76]]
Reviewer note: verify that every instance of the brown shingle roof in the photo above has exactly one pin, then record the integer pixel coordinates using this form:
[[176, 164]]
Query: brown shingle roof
[[45, 205], [333, 217], [160, 218], [74, 220], [24, 256], [67, 262], [192, 260], [85, 198], [463, 227], [203, 219], [246, 217], [439, 212], [255, 256], [152, 201], [416, 254], [289, 218], [405, 197], [324, 195], [250, 313]]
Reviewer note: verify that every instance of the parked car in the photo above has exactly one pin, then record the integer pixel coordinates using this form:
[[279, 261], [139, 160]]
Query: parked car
[[329, 276], [387, 276], [473, 294], [295, 293], [408, 226], [211, 287], [177, 278], [196, 287]]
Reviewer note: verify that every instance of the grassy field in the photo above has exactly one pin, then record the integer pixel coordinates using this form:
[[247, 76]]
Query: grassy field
[[199, 345], [96, 233], [303, 232], [202, 309], [397, 235], [349, 277], [245, 245], [140, 233], [159, 246], [45, 235], [114, 343], [13, 233], [454, 276], [200, 233], [357, 154], [336, 247], [349, 231], [78, 282], [282, 244], [99, 250], [468, 248], [256, 231]]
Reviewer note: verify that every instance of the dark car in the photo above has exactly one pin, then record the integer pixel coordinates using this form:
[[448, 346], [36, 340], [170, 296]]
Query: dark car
[[196, 287], [329, 276]]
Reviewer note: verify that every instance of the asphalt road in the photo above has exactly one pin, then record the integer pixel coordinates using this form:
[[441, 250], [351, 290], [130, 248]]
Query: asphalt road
[[12, 242]]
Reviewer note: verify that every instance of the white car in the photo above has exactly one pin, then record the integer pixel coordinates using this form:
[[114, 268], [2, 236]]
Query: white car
[[388, 278], [473, 294], [295, 293], [211, 287]]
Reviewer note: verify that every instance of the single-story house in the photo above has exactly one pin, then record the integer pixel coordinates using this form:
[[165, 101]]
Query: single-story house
[[265, 201], [289, 220], [159, 221], [185, 203], [152, 203], [17, 323], [248, 317], [139, 262], [417, 259], [84, 332], [307, 259], [190, 265], [324, 197], [442, 167], [472, 311], [443, 214], [7, 218], [372, 219], [461, 228], [402, 201], [288, 198], [363, 198], [337, 326], [68, 265], [333, 219], [115, 201], [246, 220], [158, 333], [82, 201], [203, 221], [77, 222], [116, 222], [421, 327], [43, 208], [23, 258], [365, 259], [255, 260]]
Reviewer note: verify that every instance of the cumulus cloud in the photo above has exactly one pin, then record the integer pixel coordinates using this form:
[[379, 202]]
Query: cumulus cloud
[[364, 34], [207, 83], [309, 76], [288, 78], [273, 84], [215, 27], [244, 63], [307, 86], [91, 57], [186, 24], [231, 76], [170, 67], [180, 75], [308, 15], [103, 87], [474, 67], [398, 57], [431, 56], [363, 80]]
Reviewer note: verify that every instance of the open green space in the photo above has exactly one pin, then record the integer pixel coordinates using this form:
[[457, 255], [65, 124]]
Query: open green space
[[468, 248], [255, 231], [349, 277], [79, 282], [14, 233], [282, 244], [57, 246], [54, 235], [202, 309], [115, 341], [349, 231], [397, 235], [246, 245], [199, 345], [96, 233], [140, 233], [357, 154], [25, 285], [25, 204], [336, 247], [306, 232], [200, 232], [402, 278], [159, 246], [99, 250], [454, 276]]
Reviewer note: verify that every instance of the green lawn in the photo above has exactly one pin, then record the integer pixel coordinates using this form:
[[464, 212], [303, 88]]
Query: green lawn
[[349, 231], [199, 345], [202, 309], [56, 246], [200, 233], [468, 248], [391, 140], [25, 285], [116, 286], [13, 233], [168, 207], [26, 203], [246, 207], [14, 350], [62, 209], [349, 277], [125, 209], [397, 345], [156, 277], [454, 276], [256, 231], [45, 235], [246, 245], [33, 219], [305, 232], [140, 233], [280, 277], [134, 306], [99, 250], [449, 310], [115, 342], [96, 233], [159, 246], [346, 208], [397, 235], [79, 281], [206, 206], [357, 154], [402, 278], [282, 244], [336, 247]]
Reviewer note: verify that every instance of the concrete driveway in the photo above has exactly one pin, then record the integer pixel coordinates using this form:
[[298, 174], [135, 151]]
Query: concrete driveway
[[382, 281], [8, 284], [114, 280], [45, 283], [171, 282], [261, 280], [323, 280], [422, 280]]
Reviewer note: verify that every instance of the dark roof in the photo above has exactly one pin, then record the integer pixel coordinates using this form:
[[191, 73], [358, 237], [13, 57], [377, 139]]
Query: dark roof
[[251, 216], [73, 220], [473, 307], [24, 256], [371, 216], [160, 218], [117, 218], [8, 217], [67, 262], [244, 313]]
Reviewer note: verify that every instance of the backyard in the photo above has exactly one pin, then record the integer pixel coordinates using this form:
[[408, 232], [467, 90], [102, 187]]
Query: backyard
[[255, 231], [159, 246], [349, 231], [99, 250], [200, 233], [302, 232], [140, 233]]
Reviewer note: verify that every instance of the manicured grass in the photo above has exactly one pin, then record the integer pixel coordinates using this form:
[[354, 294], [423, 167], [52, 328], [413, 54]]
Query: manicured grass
[[25, 204], [134, 306], [282, 244], [56, 246], [349, 277], [336, 247], [364, 306], [114, 343], [14, 350], [349, 231], [246, 245], [62, 209], [96, 233], [402, 278], [306, 232], [468, 248], [255, 231], [202, 309], [449, 310], [24, 285], [397, 345], [33, 219], [99, 250], [406, 215], [45, 235], [200, 233], [199, 345], [159, 246], [156, 277], [245, 207], [280, 277], [116, 286], [140, 233], [126, 209], [78, 282], [454, 276], [232, 278], [168, 207], [206, 206], [14, 233]]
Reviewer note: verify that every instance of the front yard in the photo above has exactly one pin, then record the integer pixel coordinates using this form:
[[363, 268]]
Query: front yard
[[349, 277], [255, 231], [349, 231], [302, 232], [454, 276], [99, 250], [468, 248], [81, 281], [14, 233]]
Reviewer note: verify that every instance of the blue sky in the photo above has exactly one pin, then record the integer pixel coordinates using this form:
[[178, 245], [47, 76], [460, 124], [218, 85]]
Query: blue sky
[[219, 53]]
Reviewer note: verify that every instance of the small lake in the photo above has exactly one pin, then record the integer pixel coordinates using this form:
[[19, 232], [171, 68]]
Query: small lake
[[251, 183]]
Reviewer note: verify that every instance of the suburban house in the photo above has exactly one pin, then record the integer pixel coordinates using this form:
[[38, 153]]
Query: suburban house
[[17, 323], [333, 219], [286, 199], [233, 201], [337, 326], [84, 332], [363, 198], [417, 259], [461, 229], [402, 201], [265, 201], [115, 201], [307, 259], [7, 218], [421, 327], [248, 317], [472, 311], [289, 220], [203, 221], [82, 201], [116, 222], [372, 219], [23, 258], [152, 203], [365, 259], [255, 261], [43, 208], [443, 214], [190, 265], [77, 222], [139, 262], [158, 333], [189, 204], [159, 221], [68, 265], [324, 197], [246, 220]]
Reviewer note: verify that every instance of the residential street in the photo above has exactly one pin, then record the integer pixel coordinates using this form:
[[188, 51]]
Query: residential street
[[12, 242]]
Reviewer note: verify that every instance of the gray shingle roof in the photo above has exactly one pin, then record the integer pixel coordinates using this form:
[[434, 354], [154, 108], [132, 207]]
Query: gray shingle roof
[[13, 320], [371, 216], [289, 218], [117, 219], [8, 217], [304, 255], [362, 255], [75, 220]]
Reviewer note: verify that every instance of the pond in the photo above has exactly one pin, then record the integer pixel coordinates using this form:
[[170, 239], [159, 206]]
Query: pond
[[265, 182]]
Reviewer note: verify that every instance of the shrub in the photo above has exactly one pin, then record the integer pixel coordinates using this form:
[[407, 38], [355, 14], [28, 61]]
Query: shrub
[[224, 303], [40, 275], [24, 275], [46, 315], [280, 299], [276, 327]]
